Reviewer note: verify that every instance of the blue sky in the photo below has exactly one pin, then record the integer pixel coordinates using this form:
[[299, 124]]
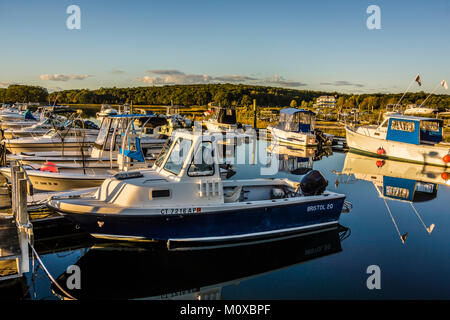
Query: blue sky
[[316, 45]]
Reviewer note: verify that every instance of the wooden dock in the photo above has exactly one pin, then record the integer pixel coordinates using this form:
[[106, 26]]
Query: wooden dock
[[10, 252], [23, 227]]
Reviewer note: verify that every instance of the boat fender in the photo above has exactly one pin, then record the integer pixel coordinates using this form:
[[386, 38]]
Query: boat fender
[[313, 183], [446, 158], [380, 163], [444, 176], [49, 166], [381, 151]]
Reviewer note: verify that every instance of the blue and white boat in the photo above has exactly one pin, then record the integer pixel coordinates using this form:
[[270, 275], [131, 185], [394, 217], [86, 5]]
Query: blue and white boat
[[400, 137], [297, 127], [185, 198]]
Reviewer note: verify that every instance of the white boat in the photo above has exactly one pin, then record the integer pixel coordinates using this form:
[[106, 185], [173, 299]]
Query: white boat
[[224, 120], [297, 127], [74, 135], [400, 137], [418, 110], [119, 146], [184, 199]]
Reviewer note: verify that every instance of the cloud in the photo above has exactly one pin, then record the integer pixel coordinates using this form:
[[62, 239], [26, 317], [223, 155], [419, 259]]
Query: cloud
[[117, 72], [171, 77], [280, 81], [53, 89], [165, 72], [341, 83], [5, 84], [62, 77], [234, 78]]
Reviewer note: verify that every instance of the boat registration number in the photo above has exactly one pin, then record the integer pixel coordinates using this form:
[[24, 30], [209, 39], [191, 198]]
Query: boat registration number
[[180, 210], [320, 207]]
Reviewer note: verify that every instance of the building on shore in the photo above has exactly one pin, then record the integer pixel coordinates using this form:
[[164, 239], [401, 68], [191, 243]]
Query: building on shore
[[325, 102]]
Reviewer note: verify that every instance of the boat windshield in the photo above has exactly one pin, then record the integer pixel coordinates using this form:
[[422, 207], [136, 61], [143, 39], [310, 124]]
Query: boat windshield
[[103, 133], [178, 155], [299, 121], [162, 154]]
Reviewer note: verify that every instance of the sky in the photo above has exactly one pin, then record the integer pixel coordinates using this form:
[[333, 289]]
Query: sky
[[307, 45]]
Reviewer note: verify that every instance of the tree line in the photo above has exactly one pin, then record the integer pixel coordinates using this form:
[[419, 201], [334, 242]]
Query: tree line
[[221, 94]]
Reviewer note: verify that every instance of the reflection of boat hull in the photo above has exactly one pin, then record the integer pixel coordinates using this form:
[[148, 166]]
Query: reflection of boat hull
[[292, 151], [292, 138], [208, 227], [369, 168], [157, 273], [427, 154]]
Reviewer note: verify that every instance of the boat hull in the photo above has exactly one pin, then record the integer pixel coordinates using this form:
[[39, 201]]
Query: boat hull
[[425, 154], [212, 227], [18, 148], [292, 138], [46, 181]]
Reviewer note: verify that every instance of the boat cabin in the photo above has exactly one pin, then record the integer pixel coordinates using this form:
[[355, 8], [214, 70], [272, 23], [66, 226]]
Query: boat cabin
[[296, 120], [412, 130], [188, 171], [225, 115]]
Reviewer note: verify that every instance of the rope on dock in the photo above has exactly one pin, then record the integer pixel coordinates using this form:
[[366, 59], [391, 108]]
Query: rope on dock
[[48, 273]]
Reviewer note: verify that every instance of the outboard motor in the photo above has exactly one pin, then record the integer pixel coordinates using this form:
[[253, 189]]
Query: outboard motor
[[313, 183]]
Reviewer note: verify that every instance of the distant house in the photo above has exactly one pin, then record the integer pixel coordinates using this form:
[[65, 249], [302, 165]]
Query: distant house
[[325, 102]]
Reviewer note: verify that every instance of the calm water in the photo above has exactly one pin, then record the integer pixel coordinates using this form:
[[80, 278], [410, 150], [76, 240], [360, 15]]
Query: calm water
[[328, 265]]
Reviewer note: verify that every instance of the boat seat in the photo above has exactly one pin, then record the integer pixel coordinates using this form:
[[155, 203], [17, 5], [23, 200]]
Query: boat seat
[[231, 194]]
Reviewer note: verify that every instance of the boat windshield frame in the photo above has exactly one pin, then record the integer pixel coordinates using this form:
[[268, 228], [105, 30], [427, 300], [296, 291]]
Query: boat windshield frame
[[180, 159]]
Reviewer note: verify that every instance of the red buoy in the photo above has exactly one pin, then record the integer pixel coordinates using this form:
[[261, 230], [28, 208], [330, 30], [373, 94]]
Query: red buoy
[[380, 163], [444, 176], [446, 158], [49, 166], [381, 151]]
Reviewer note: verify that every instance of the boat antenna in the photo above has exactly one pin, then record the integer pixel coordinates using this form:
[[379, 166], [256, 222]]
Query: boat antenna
[[430, 228], [417, 78], [443, 83]]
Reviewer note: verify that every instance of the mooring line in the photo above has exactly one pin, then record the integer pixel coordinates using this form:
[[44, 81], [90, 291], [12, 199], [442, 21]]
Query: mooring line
[[49, 275]]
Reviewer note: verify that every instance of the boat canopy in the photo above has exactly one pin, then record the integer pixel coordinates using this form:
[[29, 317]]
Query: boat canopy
[[414, 130], [408, 190], [296, 120]]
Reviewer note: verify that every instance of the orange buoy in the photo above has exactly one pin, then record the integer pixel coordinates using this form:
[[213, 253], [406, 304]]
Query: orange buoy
[[380, 163], [444, 176], [381, 151], [446, 158], [49, 166]]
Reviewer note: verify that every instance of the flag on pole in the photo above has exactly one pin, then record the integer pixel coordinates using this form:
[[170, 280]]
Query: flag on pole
[[444, 84], [418, 80]]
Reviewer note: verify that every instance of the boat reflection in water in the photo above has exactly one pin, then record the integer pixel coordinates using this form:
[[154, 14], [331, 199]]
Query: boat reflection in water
[[296, 160], [397, 181], [122, 271]]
